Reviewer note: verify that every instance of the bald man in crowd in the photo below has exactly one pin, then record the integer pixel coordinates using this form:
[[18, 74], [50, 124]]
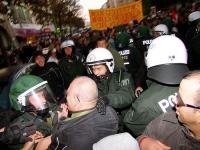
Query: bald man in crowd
[[89, 121], [180, 130]]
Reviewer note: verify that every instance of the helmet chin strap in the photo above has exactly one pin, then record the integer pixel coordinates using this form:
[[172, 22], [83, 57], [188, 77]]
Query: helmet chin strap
[[102, 77], [28, 108], [43, 113]]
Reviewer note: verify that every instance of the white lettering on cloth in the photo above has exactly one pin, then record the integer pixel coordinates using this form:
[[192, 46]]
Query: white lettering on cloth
[[125, 82], [124, 52], [166, 103], [147, 42]]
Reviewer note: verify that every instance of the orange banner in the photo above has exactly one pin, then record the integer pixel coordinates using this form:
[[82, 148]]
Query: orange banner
[[107, 18]]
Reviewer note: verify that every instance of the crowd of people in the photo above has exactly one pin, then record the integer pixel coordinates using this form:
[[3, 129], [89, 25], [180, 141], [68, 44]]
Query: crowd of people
[[135, 86]]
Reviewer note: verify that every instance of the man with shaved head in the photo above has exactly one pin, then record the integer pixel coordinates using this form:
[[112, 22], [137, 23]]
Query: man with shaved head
[[86, 123], [84, 91], [180, 130]]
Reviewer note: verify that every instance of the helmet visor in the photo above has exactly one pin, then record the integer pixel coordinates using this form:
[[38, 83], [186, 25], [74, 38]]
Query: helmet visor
[[98, 62], [157, 33], [37, 96]]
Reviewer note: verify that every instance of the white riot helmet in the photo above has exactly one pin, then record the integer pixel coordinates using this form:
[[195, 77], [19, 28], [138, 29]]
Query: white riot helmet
[[194, 16], [166, 60], [162, 29], [67, 43], [100, 56]]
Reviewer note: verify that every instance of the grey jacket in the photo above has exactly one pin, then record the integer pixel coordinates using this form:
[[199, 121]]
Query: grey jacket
[[169, 131]]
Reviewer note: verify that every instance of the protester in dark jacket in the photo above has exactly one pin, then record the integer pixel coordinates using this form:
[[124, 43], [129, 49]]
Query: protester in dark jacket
[[50, 72], [90, 119]]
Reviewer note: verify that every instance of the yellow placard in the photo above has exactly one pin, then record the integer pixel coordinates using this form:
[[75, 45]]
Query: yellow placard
[[101, 19]]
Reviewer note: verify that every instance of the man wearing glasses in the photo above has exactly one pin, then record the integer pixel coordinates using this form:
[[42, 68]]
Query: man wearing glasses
[[180, 130]]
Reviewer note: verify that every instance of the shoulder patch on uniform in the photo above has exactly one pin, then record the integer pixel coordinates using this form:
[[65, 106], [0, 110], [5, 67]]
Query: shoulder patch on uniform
[[125, 82]]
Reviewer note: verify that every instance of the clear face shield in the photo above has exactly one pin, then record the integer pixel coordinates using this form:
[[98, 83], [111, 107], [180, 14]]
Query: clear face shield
[[36, 99]]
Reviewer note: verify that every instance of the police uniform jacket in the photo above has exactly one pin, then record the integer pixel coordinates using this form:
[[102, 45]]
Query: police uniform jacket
[[157, 99], [117, 89]]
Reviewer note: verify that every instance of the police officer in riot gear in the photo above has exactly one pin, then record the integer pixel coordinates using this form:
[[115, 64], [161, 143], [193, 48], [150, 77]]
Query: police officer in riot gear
[[30, 94], [160, 30], [166, 64], [128, 52], [132, 57], [115, 86], [71, 65], [141, 42], [193, 19], [192, 40]]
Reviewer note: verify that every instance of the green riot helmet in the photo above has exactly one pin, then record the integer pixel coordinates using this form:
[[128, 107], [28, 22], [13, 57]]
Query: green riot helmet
[[31, 94]]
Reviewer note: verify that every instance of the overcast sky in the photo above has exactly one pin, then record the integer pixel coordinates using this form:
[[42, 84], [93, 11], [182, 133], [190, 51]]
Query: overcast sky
[[90, 4]]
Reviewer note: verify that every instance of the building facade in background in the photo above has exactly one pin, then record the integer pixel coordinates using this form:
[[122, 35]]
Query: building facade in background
[[116, 3]]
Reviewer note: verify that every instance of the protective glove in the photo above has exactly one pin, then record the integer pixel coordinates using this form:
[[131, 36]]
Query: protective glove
[[18, 132]]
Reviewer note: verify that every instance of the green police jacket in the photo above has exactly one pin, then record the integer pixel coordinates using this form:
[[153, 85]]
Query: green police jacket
[[117, 88], [157, 99]]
